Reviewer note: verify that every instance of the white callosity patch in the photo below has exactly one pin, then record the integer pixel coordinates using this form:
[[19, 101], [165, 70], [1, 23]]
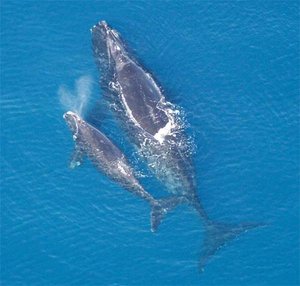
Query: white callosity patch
[[114, 49], [122, 168], [163, 132], [75, 121], [115, 33]]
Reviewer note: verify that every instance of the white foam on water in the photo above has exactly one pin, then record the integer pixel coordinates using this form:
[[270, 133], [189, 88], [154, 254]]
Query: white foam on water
[[172, 126], [163, 132]]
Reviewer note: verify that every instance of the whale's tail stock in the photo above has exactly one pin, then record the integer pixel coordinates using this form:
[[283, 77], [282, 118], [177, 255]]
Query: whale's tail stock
[[159, 208], [218, 235]]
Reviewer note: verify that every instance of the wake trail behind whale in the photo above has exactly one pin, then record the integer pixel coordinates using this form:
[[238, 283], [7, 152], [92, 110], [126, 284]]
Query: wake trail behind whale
[[77, 99]]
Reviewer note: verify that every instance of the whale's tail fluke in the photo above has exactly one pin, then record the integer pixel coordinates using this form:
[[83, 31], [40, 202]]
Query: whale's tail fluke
[[218, 235], [161, 207]]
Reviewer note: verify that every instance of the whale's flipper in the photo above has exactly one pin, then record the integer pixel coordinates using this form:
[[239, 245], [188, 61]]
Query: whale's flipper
[[77, 157], [218, 235], [161, 207]]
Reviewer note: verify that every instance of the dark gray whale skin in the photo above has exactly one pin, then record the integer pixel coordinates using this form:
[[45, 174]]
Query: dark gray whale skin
[[151, 123], [144, 112], [120, 72], [109, 160]]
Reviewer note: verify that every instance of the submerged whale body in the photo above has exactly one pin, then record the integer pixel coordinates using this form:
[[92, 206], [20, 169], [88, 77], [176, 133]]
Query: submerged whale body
[[154, 126], [108, 159]]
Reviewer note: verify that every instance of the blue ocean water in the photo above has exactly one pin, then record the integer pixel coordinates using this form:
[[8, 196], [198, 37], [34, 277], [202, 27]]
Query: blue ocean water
[[233, 67]]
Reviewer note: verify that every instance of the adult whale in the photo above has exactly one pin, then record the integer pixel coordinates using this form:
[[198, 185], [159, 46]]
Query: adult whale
[[155, 127], [108, 159]]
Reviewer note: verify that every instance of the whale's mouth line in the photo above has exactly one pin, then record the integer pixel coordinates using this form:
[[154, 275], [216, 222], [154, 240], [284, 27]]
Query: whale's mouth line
[[65, 116], [76, 132]]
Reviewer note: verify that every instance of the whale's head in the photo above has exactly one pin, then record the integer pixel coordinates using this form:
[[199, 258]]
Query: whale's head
[[74, 122], [107, 44]]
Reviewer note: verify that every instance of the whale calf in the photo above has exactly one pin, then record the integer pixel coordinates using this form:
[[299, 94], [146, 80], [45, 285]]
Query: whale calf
[[154, 126], [109, 160]]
